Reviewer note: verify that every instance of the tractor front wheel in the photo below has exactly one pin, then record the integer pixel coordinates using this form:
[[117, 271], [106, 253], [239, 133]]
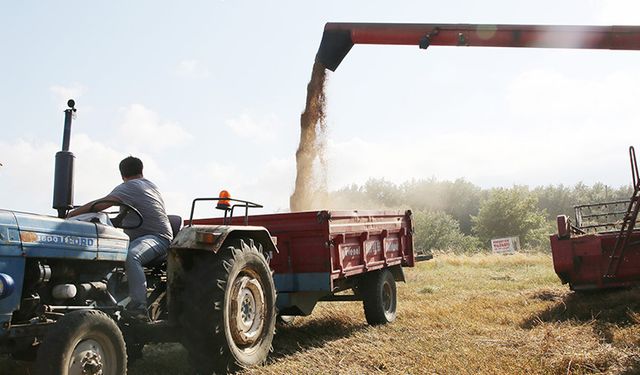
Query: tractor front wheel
[[229, 314], [85, 342]]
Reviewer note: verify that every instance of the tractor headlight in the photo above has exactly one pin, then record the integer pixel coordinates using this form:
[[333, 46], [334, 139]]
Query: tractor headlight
[[6, 285]]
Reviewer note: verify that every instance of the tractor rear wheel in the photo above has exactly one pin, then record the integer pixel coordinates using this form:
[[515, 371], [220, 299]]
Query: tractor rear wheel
[[229, 313], [85, 342], [379, 297]]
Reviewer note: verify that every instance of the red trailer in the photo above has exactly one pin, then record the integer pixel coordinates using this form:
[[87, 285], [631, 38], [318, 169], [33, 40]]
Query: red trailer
[[601, 248], [321, 253]]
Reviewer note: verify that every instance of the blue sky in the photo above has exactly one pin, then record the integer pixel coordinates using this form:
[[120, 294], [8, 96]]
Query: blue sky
[[209, 94]]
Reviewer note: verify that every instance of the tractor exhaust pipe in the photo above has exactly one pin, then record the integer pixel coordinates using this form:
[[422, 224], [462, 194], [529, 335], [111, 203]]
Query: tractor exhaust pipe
[[63, 179]]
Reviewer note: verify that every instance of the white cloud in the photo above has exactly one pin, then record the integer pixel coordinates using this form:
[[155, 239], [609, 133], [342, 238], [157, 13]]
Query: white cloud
[[142, 128], [218, 176], [192, 69], [26, 177], [64, 93], [264, 129], [96, 168], [552, 95], [273, 184], [96, 173], [176, 202], [620, 12], [495, 158], [268, 182]]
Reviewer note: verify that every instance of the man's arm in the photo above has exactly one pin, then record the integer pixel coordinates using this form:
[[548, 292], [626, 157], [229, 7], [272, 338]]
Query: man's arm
[[98, 207]]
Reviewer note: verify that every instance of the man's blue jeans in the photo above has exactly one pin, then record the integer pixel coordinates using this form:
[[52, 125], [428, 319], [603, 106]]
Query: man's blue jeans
[[142, 250]]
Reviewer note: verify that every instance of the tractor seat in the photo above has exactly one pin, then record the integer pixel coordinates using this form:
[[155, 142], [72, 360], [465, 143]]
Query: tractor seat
[[176, 223]]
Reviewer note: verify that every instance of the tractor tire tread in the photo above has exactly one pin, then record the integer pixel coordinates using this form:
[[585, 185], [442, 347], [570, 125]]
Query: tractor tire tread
[[55, 348], [372, 300], [202, 319]]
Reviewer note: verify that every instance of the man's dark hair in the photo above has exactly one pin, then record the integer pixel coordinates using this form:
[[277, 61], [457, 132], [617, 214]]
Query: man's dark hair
[[130, 166]]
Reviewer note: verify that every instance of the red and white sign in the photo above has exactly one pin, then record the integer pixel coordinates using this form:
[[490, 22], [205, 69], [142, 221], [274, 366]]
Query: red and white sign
[[506, 245]]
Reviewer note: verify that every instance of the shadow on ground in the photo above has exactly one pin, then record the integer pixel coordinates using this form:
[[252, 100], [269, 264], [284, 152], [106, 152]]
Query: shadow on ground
[[603, 310], [302, 336], [158, 359], [172, 359], [614, 306]]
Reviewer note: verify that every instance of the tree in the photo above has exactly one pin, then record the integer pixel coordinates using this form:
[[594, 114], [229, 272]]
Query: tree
[[374, 194], [555, 200], [436, 230], [383, 192], [350, 197], [459, 198], [511, 212], [560, 199], [462, 200]]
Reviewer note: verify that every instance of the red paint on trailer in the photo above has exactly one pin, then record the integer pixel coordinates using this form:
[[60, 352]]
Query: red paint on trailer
[[340, 243]]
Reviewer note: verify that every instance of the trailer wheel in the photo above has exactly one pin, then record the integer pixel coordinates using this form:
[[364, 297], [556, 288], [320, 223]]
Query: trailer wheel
[[379, 297], [229, 314], [83, 342]]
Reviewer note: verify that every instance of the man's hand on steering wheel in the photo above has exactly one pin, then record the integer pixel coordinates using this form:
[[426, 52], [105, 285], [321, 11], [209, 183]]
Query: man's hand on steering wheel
[[125, 209]]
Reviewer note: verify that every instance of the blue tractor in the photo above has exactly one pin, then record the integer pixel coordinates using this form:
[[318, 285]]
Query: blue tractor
[[63, 288]]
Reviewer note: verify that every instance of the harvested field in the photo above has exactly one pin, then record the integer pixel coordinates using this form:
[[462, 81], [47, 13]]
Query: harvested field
[[457, 315]]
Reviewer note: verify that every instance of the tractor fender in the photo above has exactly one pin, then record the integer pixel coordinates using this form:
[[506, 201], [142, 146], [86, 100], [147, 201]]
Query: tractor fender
[[188, 247], [213, 237]]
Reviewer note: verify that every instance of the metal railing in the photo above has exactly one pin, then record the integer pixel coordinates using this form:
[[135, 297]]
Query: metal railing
[[601, 217], [228, 212]]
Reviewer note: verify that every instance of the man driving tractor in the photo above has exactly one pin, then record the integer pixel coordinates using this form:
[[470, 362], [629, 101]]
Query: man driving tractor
[[148, 242]]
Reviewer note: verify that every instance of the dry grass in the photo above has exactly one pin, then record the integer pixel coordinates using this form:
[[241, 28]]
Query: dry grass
[[458, 315]]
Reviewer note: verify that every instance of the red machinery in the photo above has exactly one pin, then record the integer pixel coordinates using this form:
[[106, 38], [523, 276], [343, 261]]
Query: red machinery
[[601, 249], [338, 38], [582, 257]]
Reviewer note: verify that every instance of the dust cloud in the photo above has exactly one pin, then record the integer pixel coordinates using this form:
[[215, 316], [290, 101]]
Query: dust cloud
[[311, 164]]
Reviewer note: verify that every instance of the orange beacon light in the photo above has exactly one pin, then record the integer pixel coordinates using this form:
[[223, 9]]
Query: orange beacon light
[[223, 202]]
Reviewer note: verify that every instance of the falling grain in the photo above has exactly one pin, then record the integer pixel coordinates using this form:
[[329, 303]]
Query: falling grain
[[311, 164]]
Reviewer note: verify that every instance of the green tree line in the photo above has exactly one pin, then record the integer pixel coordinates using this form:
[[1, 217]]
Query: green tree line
[[462, 217]]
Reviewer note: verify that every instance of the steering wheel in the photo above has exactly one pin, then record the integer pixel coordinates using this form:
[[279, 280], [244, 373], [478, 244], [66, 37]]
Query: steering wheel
[[124, 211]]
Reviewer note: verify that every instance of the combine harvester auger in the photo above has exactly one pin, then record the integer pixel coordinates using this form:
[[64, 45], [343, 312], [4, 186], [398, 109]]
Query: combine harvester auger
[[585, 255], [339, 38]]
